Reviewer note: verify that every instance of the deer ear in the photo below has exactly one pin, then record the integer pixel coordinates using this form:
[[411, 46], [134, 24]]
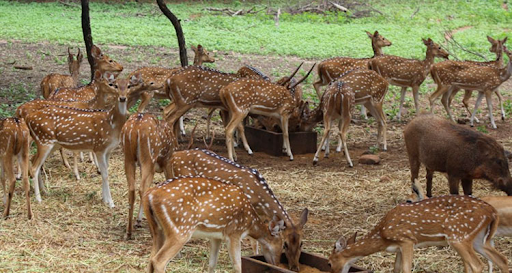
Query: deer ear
[[340, 244], [427, 42], [136, 78], [491, 40], [97, 75], [303, 217], [504, 40], [200, 48], [370, 35], [193, 48], [275, 226], [96, 52], [352, 239], [109, 77], [70, 56], [79, 56]]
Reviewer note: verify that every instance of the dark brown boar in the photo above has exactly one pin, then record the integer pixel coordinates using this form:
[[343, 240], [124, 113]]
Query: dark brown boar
[[460, 152]]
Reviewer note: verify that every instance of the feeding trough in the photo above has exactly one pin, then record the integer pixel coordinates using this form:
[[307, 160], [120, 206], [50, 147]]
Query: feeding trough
[[272, 143], [316, 263]]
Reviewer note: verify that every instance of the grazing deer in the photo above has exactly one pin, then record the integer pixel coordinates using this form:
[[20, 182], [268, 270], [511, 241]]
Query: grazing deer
[[464, 223], [205, 163], [81, 129], [55, 81], [14, 141], [497, 48], [358, 86], [407, 72], [462, 153], [484, 79], [186, 207], [259, 97], [148, 142], [331, 69]]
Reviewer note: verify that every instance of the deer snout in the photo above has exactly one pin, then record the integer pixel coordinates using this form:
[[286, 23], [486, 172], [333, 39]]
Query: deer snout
[[122, 99], [294, 268]]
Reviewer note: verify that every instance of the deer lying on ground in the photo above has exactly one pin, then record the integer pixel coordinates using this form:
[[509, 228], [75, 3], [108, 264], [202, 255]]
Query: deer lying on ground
[[55, 81], [460, 152], [148, 142], [484, 79], [186, 207], [78, 130], [259, 97], [358, 86], [407, 72], [497, 48], [205, 163], [464, 223], [14, 142]]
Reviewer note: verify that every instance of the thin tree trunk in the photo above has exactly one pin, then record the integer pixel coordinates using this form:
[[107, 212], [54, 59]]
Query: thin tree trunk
[[179, 32], [86, 29]]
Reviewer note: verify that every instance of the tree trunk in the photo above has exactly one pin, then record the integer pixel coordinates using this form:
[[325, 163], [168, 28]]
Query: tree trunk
[[86, 29], [179, 32]]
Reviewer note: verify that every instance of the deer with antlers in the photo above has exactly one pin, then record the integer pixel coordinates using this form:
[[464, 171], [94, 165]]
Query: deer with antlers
[[358, 86], [484, 79], [205, 163], [464, 223], [186, 207], [497, 48], [14, 142], [148, 142], [259, 97], [55, 81], [80, 129], [407, 72]]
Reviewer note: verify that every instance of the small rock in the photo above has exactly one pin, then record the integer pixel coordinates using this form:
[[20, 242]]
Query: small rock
[[369, 159], [385, 179]]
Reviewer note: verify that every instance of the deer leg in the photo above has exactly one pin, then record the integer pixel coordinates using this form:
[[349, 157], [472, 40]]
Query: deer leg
[[18, 175], [477, 104], [241, 133], [430, 177], [345, 120], [2, 180], [64, 158], [453, 93], [488, 98], [363, 112], [327, 128], [8, 176], [105, 188], [445, 100], [235, 253], [500, 99], [402, 99], [129, 170], [230, 130], [208, 121], [214, 254], [406, 249], [383, 126], [467, 186], [147, 173], [468, 255], [75, 166], [25, 154], [286, 138], [483, 245], [42, 153], [416, 94], [398, 262], [254, 246], [340, 140], [182, 126], [166, 253], [465, 102], [441, 89], [373, 110]]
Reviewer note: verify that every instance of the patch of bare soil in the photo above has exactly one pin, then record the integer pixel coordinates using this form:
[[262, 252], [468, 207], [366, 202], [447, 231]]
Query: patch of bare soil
[[73, 231]]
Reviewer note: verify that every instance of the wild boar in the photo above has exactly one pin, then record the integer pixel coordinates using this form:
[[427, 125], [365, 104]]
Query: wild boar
[[462, 153]]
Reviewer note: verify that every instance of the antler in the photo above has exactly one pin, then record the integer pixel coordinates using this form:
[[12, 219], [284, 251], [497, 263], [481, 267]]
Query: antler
[[191, 142], [209, 146], [303, 78], [293, 74]]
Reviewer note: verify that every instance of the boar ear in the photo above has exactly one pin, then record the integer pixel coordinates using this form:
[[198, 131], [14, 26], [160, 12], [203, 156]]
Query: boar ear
[[483, 147]]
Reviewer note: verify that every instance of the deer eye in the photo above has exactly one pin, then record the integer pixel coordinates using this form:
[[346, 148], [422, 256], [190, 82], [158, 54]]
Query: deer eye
[[110, 84], [110, 61], [329, 264], [285, 246]]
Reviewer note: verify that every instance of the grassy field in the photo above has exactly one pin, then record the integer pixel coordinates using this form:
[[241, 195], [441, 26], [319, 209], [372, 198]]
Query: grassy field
[[73, 231]]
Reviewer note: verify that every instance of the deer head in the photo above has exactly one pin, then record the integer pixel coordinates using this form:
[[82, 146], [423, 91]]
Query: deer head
[[201, 55], [104, 63]]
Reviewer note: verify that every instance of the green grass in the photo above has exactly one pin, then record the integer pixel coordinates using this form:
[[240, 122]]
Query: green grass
[[305, 35]]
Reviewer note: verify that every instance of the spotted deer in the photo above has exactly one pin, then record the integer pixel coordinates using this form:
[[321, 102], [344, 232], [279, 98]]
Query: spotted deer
[[147, 142], [80, 130], [484, 79], [330, 69], [248, 71], [14, 142], [55, 81], [187, 207], [407, 72], [259, 97], [358, 86], [497, 48], [205, 163], [464, 223]]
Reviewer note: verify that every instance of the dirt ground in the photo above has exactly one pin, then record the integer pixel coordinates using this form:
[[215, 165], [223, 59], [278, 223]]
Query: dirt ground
[[73, 231]]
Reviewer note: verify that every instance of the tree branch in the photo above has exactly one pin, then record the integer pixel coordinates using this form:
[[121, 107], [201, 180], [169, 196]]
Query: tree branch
[[179, 31]]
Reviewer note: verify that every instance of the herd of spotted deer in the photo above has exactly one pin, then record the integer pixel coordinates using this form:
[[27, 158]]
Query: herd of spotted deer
[[209, 196]]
